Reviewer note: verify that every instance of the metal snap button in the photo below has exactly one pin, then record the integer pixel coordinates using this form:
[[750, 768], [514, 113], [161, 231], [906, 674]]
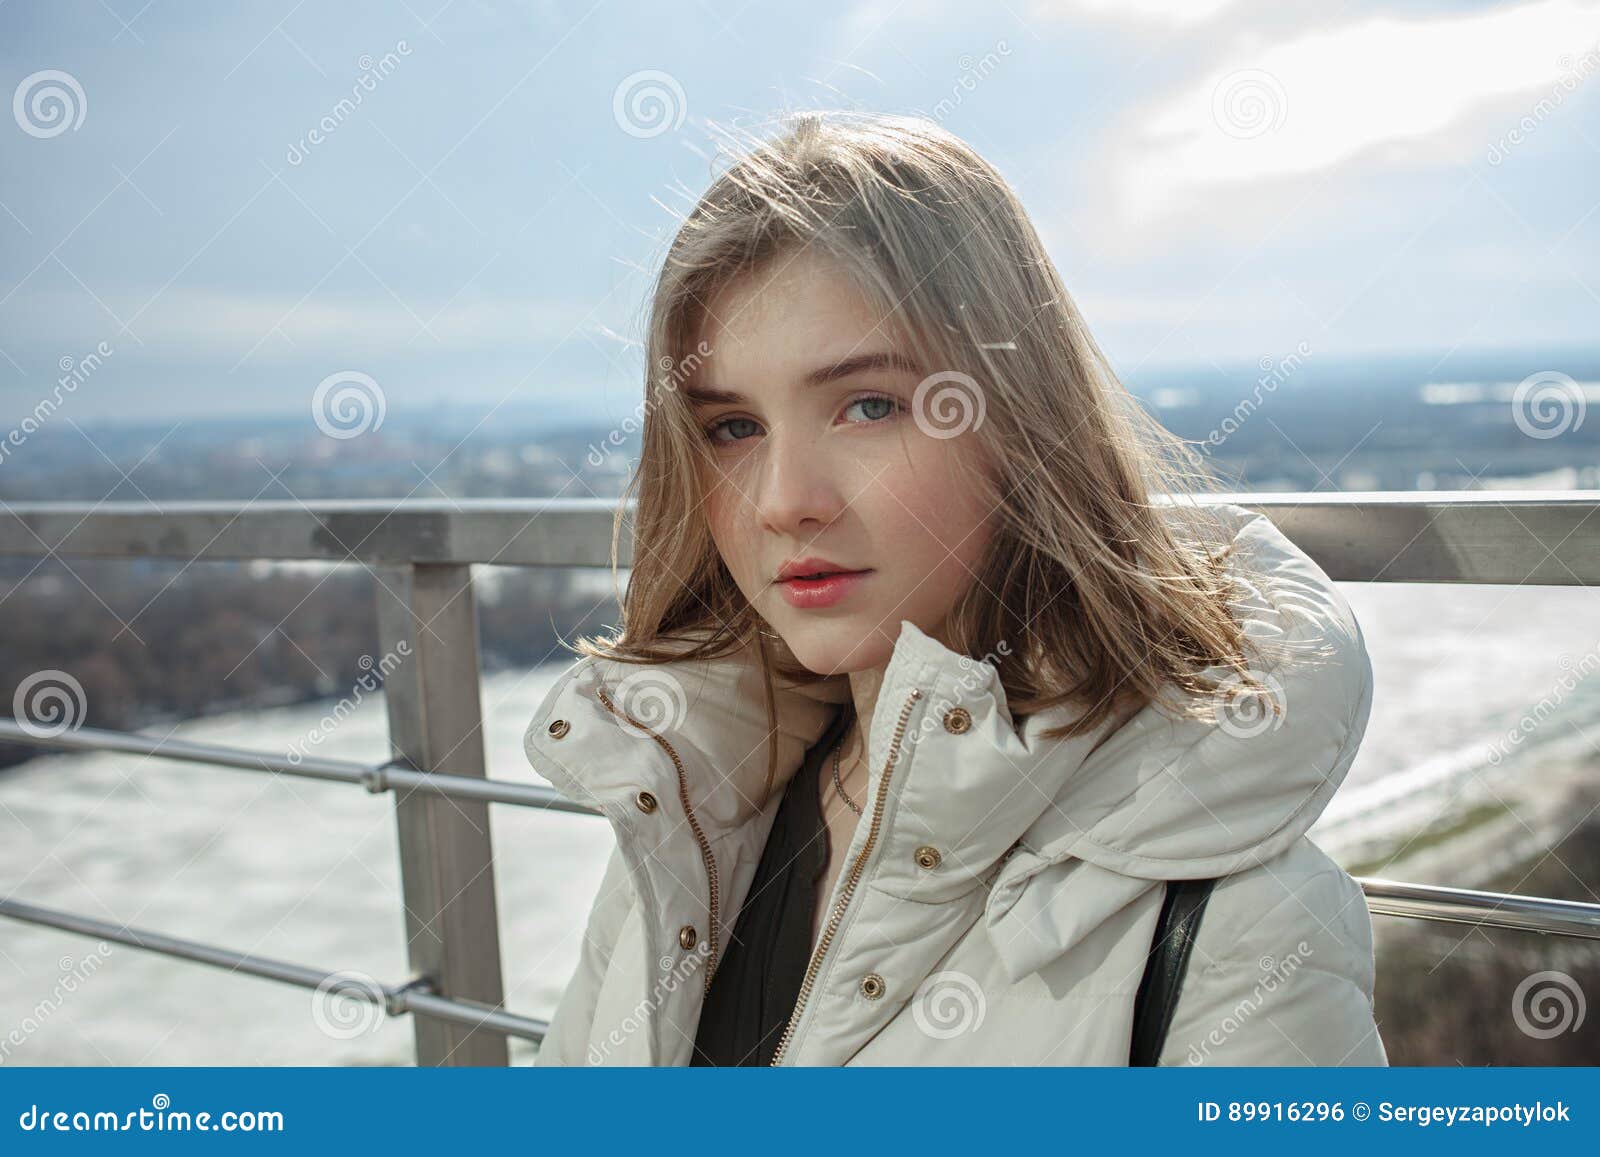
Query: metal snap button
[[928, 857], [687, 936], [646, 801], [957, 720], [872, 986], [558, 728]]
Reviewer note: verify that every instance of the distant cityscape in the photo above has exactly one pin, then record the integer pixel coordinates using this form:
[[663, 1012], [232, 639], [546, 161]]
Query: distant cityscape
[[158, 641], [1292, 424]]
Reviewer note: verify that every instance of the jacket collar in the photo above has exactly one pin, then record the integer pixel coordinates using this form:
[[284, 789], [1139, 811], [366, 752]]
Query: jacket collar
[[1103, 816]]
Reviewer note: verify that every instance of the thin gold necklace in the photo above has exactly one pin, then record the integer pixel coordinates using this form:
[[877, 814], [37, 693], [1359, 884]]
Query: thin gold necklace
[[838, 783]]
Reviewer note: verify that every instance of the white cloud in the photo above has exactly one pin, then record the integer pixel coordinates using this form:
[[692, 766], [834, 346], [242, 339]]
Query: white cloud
[[251, 326], [1324, 98], [1178, 13]]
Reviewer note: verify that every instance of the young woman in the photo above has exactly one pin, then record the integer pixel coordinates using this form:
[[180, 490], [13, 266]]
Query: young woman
[[929, 677]]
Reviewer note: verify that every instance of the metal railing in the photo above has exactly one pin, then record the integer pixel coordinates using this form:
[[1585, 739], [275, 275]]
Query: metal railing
[[422, 552]]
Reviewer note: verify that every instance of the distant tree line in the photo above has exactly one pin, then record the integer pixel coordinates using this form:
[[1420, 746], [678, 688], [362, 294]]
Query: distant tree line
[[150, 643]]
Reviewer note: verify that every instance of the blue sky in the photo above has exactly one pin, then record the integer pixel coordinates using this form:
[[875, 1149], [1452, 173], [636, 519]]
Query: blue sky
[[1219, 181]]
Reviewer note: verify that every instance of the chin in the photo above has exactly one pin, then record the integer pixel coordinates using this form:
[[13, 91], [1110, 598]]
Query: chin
[[836, 648]]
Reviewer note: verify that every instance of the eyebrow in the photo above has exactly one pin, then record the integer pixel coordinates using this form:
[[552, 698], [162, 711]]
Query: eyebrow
[[857, 364]]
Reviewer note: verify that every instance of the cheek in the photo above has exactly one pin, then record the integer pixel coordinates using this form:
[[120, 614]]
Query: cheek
[[937, 524], [727, 517]]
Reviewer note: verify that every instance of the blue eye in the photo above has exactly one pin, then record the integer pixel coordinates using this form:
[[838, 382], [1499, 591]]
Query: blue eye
[[891, 405], [881, 407], [711, 430]]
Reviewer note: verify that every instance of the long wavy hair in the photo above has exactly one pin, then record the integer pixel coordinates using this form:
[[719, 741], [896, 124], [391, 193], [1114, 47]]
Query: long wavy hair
[[1106, 599]]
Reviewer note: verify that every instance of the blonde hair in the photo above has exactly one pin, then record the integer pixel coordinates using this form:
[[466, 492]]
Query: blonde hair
[[1105, 598]]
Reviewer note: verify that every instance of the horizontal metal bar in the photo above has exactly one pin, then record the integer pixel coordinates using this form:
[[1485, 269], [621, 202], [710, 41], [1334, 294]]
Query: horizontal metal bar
[[394, 999], [376, 778], [1494, 909], [510, 532], [1542, 538], [1456, 536], [470, 1012]]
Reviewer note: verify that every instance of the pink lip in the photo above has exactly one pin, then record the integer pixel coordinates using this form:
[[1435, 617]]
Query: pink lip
[[815, 594]]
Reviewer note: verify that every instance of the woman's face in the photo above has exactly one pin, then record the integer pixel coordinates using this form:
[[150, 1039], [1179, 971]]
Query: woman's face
[[812, 450]]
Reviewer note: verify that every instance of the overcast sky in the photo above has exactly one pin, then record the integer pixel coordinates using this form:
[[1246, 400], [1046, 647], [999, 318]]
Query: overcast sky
[[1218, 181]]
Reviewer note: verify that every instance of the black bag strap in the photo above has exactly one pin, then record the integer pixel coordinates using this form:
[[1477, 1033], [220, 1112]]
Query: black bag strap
[[1181, 909]]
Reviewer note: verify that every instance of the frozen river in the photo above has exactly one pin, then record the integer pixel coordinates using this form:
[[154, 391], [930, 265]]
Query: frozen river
[[307, 872]]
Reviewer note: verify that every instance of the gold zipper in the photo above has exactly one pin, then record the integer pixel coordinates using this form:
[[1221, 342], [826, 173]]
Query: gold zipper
[[851, 880], [713, 883]]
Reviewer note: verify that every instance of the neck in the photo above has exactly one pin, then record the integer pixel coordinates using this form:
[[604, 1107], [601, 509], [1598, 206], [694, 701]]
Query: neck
[[864, 687]]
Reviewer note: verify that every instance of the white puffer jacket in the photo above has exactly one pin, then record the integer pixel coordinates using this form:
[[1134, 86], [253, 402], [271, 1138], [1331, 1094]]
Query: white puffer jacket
[[998, 900]]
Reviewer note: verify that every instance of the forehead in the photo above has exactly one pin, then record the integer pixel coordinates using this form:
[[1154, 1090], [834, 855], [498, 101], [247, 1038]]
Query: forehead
[[785, 318]]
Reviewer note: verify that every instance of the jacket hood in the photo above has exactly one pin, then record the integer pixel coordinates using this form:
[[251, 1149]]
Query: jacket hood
[[1100, 818]]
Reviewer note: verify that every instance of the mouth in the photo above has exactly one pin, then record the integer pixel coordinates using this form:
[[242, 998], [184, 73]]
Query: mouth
[[807, 585], [802, 580], [814, 569]]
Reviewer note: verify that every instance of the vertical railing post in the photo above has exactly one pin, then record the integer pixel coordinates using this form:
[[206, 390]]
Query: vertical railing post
[[446, 861]]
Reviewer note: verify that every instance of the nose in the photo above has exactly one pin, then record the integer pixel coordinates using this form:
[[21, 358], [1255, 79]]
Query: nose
[[798, 487]]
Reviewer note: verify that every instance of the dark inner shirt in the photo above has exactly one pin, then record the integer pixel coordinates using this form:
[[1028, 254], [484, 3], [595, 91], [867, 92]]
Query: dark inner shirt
[[759, 977]]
